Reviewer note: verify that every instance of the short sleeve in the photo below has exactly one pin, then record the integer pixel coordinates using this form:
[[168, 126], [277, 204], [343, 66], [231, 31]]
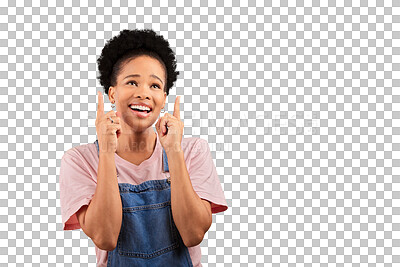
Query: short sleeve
[[77, 188], [204, 177]]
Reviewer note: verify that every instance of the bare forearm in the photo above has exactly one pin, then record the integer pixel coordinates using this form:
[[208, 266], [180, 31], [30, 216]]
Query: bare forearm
[[189, 213], [104, 214]]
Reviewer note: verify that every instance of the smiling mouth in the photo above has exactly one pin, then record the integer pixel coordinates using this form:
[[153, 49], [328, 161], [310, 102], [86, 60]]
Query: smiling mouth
[[142, 111]]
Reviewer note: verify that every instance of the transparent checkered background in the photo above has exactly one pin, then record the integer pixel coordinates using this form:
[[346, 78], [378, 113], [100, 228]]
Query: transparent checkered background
[[298, 100]]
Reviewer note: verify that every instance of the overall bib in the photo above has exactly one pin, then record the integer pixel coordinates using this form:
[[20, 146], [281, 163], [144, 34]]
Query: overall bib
[[148, 235]]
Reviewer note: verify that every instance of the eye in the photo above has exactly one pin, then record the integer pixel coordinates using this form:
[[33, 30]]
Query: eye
[[131, 82], [156, 85]]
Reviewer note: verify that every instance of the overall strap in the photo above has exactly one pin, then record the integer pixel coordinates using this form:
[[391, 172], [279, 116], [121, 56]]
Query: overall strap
[[164, 159]]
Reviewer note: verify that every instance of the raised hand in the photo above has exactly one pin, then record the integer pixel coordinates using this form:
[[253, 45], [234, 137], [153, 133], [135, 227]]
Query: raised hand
[[170, 129], [107, 132]]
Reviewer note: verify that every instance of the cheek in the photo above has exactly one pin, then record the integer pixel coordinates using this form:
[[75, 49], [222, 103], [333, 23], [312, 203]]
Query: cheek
[[159, 100]]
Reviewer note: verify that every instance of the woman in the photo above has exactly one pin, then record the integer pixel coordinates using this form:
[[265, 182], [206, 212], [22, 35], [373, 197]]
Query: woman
[[144, 197]]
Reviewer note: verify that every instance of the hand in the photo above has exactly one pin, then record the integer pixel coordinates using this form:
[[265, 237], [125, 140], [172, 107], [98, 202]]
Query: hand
[[107, 132], [170, 129]]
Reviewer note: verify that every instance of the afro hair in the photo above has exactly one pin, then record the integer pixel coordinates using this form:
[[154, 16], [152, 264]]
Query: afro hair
[[130, 44]]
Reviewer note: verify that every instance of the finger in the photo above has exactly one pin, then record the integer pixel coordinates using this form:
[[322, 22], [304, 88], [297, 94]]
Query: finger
[[158, 127], [100, 105], [113, 128], [116, 129], [176, 107], [157, 123], [164, 123], [116, 120]]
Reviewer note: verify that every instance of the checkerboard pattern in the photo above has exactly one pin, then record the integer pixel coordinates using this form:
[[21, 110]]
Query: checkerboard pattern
[[298, 100]]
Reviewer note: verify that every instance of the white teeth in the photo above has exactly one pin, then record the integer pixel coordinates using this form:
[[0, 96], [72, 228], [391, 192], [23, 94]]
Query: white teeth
[[139, 107]]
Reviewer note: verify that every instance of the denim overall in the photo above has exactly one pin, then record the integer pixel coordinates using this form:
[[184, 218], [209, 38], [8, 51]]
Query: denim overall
[[148, 235]]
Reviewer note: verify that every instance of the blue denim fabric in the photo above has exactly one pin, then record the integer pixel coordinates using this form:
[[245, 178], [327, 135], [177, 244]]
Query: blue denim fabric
[[148, 235]]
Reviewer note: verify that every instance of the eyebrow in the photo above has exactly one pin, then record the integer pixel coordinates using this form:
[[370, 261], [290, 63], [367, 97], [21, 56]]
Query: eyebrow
[[137, 75]]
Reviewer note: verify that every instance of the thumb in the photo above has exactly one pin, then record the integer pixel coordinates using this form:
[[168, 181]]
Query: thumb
[[156, 125], [118, 114]]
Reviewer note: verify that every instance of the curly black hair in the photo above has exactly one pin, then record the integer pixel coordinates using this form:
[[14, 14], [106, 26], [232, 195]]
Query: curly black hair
[[128, 45]]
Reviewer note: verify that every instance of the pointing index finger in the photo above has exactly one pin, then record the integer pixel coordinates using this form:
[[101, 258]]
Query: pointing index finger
[[176, 107], [100, 105]]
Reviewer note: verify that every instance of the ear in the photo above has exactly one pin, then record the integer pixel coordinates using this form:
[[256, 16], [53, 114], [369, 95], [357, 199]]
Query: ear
[[111, 92], [165, 99]]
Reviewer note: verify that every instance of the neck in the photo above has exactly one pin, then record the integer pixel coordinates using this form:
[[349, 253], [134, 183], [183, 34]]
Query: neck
[[137, 142]]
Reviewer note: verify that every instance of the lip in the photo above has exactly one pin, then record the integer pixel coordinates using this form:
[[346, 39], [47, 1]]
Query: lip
[[141, 114], [141, 104]]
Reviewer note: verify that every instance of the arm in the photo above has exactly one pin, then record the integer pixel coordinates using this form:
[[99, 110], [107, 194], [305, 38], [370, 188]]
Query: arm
[[191, 214], [101, 219]]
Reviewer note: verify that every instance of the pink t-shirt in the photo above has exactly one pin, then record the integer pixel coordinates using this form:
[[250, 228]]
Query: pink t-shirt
[[78, 180]]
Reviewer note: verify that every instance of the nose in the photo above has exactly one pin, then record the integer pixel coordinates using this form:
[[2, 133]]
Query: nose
[[142, 92]]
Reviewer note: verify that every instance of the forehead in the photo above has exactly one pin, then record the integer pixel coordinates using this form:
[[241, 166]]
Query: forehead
[[143, 65]]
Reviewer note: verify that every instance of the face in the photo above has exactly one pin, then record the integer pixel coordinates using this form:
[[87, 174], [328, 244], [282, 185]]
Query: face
[[141, 80]]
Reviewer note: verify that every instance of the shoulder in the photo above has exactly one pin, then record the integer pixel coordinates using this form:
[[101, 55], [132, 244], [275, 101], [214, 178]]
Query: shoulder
[[82, 158], [192, 142], [81, 151], [194, 145]]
